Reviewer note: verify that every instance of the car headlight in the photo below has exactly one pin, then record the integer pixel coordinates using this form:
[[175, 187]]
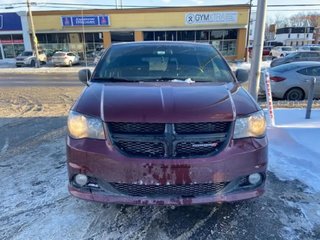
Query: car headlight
[[253, 125], [81, 126]]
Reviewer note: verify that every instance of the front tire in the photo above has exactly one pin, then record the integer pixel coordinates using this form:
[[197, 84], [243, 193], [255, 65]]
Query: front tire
[[33, 63], [294, 94]]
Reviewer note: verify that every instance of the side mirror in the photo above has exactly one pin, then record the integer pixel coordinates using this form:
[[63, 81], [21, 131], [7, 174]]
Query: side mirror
[[242, 75], [84, 76]]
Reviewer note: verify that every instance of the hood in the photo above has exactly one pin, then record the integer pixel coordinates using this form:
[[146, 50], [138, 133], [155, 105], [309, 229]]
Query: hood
[[165, 102]]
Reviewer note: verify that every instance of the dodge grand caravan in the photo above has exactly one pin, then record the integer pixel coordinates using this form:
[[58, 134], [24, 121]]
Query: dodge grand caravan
[[165, 123]]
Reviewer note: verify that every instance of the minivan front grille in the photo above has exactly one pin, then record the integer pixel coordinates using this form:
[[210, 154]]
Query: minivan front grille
[[201, 128], [171, 140], [137, 128], [187, 190], [149, 149]]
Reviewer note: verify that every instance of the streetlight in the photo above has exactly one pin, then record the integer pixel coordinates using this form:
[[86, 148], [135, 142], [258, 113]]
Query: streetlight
[[34, 37]]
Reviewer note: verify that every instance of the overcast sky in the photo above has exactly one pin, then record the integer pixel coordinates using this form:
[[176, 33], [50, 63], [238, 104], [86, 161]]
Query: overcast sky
[[286, 11]]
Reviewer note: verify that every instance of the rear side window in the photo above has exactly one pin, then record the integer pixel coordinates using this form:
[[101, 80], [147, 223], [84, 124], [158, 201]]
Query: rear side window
[[313, 54], [311, 71], [284, 68]]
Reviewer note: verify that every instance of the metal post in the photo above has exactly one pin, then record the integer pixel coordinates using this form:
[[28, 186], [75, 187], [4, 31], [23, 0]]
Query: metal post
[[254, 75], [269, 98], [248, 33], [34, 37], [310, 97]]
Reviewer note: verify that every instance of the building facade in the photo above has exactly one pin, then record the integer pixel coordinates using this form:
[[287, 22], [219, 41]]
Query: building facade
[[85, 31], [11, 35], [295, 36]]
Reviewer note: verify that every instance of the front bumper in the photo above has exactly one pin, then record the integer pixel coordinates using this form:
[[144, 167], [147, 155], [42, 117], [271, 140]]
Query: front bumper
[[22, 63], [102, 162]]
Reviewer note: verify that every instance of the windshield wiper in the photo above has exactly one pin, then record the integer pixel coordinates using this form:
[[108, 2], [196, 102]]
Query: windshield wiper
[[162, 79], [113, 79]]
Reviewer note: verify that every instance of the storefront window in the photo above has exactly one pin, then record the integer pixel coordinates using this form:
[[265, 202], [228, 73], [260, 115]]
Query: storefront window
[[202, 36], [160, 36], [74, 42], [224, 40], [171, 35], [122, 37], [148, 36], [12, 45], [8, 50], [186, 35]]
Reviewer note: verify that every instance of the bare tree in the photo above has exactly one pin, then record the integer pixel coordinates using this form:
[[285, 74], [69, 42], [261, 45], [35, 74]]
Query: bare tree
[[305, 19]]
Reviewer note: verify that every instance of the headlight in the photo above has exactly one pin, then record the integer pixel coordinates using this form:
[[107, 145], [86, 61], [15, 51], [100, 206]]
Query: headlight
[[250, 126], [81, 126]]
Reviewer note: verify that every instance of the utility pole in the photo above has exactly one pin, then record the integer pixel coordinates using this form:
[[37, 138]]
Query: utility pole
[[255, 70], [248, 33], [34, 37]]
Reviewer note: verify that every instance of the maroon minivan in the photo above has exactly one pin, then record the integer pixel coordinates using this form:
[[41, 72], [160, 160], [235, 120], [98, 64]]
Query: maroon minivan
[[165, 123]]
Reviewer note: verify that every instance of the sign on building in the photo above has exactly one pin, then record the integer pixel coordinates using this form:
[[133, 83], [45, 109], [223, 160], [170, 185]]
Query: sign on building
[[75, 21], [10, 22], [210, 18]]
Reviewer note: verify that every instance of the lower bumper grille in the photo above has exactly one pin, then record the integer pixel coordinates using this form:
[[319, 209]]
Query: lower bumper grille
[[190, 190]]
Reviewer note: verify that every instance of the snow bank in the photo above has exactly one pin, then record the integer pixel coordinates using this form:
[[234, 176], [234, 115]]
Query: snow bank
[[294, 151]]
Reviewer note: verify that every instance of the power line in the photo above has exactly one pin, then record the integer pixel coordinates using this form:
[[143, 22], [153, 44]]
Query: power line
[[154, 6]]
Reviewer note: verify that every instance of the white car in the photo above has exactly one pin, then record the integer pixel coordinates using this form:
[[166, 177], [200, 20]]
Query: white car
[[65, 59], [281, 51], [28, 58]]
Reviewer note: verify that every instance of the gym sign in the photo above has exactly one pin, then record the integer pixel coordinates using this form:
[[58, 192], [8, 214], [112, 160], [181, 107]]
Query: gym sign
[[211, 18]]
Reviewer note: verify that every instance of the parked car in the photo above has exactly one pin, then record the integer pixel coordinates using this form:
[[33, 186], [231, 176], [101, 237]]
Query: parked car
[[28, 58], [281, 51], [65, 59], [165, 123], [291, 81], [265, 53], [98, 56], [296, 57]]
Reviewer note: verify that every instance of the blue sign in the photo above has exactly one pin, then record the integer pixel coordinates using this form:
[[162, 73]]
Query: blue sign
[[10, 22], [76, 21]]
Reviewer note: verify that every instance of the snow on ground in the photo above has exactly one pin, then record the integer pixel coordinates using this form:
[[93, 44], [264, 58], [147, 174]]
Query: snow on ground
[[295, 148]]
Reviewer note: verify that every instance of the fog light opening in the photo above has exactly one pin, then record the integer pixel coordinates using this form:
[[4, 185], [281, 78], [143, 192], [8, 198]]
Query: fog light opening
[[81, 179], [255, 178]]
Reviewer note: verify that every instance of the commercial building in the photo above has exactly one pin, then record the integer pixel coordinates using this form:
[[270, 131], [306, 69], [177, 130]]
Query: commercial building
[[295, 36], [85, 31]]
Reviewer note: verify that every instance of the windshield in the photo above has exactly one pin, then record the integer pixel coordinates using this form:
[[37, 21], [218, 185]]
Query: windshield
[[287, 49], [292, 55], [162, 62], [59, 54], [26, 54]]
